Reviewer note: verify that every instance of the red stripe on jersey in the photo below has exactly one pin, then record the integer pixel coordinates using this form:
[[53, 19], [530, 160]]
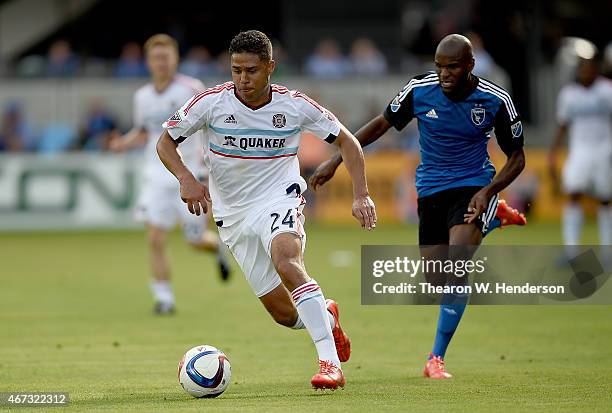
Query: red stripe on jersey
[[309, 100], [211, 91], [253, 157], [279, 89]]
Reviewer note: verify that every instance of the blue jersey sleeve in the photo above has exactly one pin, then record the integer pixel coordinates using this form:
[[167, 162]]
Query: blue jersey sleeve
[[509, 132], [400, 110]]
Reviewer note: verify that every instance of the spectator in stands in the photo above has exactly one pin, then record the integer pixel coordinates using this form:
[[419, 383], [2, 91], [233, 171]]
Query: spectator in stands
[[57, 137], [223, 64], [61, 61], [15, 133], [198, 63], [327, 61], [283, 65], [131, 63], [99, 127], [366, 59]]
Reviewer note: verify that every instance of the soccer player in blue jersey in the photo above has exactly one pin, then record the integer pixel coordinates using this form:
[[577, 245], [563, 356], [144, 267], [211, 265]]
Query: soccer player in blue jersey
[[456, 182]]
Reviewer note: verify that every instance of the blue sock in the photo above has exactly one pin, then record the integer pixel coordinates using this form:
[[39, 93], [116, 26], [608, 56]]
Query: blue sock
[[495, 223], [451, 310]]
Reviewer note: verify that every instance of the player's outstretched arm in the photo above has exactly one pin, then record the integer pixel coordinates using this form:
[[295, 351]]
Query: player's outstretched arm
[[479, 202], [193, 192], [135, 138], [363, 206], [367, 134], [552, 156]]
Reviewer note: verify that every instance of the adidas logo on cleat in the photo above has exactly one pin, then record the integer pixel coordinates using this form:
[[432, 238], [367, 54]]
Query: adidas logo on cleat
[[432, 114], [230, 119]]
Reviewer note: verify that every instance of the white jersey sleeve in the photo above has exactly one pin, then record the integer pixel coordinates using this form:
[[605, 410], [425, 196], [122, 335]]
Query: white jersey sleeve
[[190, 118], [315, 118], [563, 116], [137, 113]]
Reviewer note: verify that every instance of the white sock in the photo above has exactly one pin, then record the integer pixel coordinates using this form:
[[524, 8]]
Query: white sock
[[162, 292], [332, 321], [604, 221], [572, 226], [299, 324], [223, 253], [312, 310]]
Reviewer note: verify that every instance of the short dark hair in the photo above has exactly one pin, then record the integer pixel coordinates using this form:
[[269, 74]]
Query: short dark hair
[[252, 41]]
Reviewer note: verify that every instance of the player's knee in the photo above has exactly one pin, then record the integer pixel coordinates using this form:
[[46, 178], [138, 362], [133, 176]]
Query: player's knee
[[285, 266]]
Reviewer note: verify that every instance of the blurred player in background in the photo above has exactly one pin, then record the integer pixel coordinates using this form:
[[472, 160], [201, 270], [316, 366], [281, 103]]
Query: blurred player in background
[[456, 182], [159, 204], [254, 130], [584, 112]]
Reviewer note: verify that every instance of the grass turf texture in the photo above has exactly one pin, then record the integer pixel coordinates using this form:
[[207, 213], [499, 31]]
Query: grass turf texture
[[75, 316]]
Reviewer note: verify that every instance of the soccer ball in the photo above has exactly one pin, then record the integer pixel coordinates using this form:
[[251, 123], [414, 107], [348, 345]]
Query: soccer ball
[[204, 371]]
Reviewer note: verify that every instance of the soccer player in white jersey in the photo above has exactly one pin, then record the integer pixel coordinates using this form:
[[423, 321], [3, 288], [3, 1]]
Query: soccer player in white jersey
[[159, 204], [253, 129], [584, 112]]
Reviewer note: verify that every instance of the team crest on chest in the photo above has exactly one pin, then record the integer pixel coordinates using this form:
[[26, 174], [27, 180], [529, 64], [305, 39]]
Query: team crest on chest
[[478, 116], [279, 120]]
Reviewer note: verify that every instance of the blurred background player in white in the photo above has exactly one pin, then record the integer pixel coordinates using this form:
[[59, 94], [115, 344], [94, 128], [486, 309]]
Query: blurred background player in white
[[584, 112], [159, 204], [254, 132]]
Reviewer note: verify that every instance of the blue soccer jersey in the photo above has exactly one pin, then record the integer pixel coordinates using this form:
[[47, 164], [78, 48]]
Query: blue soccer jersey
[[454, 134]]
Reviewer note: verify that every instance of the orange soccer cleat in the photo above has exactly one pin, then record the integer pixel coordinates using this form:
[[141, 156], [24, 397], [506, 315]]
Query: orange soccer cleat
[[343, 344], [329, 376], [508, 215], [435, 368]]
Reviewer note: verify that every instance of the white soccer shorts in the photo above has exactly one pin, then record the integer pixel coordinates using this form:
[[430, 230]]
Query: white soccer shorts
[[250, 240], [589, 172], [162, 207]]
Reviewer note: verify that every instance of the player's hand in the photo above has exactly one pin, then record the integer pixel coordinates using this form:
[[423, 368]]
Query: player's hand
[[195, 194], [115, 143], [365, 212], [477, 206], [323, 173]]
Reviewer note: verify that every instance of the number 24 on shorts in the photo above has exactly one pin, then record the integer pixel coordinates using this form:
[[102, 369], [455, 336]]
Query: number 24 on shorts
[[288, 220]]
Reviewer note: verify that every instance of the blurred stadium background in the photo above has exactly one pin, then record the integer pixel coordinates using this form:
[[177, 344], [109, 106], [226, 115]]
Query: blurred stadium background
[[68, 70]]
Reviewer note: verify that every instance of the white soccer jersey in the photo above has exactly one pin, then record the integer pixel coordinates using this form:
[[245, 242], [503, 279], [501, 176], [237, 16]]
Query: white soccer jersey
[[151, 109], [588, 113], [252, 152]]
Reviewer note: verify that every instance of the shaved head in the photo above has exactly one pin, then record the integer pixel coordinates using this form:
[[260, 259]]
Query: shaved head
[[454, 62], [457, 46]]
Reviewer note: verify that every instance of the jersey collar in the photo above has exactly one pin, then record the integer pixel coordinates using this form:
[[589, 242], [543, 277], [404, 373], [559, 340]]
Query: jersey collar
[[465, 94], [254, 107]]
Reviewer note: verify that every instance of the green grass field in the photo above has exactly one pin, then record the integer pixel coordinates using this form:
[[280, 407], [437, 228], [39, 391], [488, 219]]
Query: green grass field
[[75, 316]]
